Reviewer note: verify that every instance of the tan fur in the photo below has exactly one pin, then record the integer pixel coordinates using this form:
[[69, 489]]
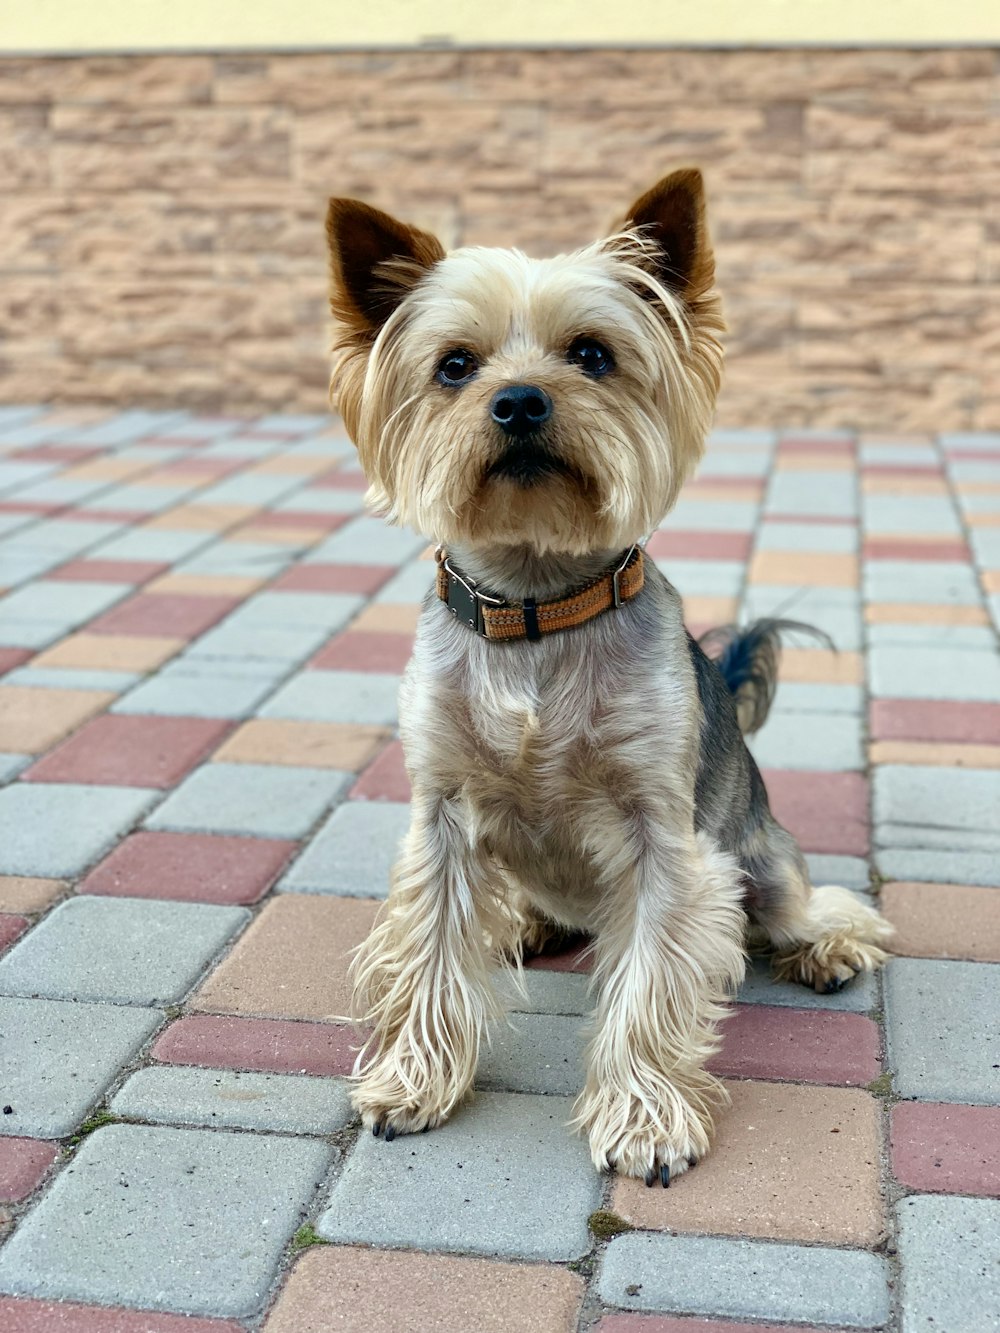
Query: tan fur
[[553, 782]]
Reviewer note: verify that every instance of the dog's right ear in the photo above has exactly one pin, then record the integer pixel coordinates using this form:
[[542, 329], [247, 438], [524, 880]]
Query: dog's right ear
[[374, 261]]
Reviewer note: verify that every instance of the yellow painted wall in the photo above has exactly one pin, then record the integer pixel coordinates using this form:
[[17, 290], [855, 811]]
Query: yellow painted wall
[[134, 25]]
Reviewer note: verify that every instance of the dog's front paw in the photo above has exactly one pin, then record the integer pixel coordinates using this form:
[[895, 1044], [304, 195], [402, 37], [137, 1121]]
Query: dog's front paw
[[395, 1100], [626, 1135]]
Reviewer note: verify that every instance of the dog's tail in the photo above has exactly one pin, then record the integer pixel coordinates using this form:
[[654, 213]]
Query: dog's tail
[[748, 658]]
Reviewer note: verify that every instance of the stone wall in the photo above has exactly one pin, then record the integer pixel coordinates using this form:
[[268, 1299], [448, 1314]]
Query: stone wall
[[161, 216]]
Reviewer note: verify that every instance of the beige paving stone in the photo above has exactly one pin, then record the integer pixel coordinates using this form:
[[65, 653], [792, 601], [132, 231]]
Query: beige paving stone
[[817, 666], [923, 613], [19, 893], [105, 469], [206, 585], [795, 568], [884, 484], [111, 652], [292, 962], [991, 580], [277, 535], [722, 493], [789, 1162], [343, 1289], [304, 744], [814, 463], [710, 610], [944, 920], [201, 518], [31, 720], [934, 754], [295, 465], [392, 617]]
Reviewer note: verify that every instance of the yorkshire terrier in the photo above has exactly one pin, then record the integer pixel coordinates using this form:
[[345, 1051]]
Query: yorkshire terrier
[[577, 761]]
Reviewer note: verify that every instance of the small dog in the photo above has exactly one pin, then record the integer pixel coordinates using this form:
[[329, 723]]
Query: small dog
[[576, 760]]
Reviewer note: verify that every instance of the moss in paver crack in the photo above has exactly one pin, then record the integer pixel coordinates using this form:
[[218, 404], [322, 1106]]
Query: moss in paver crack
[[881, 1086], [305, 1236], [605, 1224], [91, 1123]]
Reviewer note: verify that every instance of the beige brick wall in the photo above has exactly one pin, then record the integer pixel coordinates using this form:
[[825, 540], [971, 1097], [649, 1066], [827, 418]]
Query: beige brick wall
[[161, 216]]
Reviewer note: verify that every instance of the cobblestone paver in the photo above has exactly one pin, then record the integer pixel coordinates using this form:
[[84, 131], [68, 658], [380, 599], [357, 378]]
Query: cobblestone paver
[[201, 794]]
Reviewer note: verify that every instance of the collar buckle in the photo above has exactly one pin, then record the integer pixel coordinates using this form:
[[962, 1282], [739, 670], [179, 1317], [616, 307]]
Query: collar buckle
[[465, 601], [616, 577]]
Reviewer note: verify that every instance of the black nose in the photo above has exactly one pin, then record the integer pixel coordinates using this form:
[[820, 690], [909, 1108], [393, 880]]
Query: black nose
[[521, 408]]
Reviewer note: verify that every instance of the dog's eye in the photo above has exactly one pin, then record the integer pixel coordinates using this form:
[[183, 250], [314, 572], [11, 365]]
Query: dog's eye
[[592, 357], [457, 367]]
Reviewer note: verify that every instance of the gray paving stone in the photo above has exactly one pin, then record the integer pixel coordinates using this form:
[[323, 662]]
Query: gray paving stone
[[240, 559], [12, 764], [155, 544], [16, 414], [31, 633], [57, 1058], [353, 853], [936, 867], [195, 694], [850, 871], [798, 697], [816, 494], [61, 491], [368, 541], [704, 578], [899, 455], [244, 667], [258, 800], [250, 488], [744, 1279], [975, 439], [70, 536], [93, 1239], [297, 610], [290, 423], [937, 807], [322, 500], [979, 638], [936, 581], [943, 1029], [411, 584], [835, 611], [546, 992], [503, 1177], [832, 538], [367, 697], [124, 427], [759, 987], [906, 514], [119, 950], [741, 462], [966, 470], [950, 1274], [16, 473], [19, 562], [227, 1099], [533, 1053], [810, 741], [67, 603], [292, 644], [80, 823], [942, 672], [711, 516]]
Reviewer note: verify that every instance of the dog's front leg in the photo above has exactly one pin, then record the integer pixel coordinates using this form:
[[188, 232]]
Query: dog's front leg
[[421, 979], [668, 955]]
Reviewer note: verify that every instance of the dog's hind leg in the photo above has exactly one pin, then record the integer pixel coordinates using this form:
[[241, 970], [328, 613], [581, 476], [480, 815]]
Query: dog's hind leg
[[821, 936]]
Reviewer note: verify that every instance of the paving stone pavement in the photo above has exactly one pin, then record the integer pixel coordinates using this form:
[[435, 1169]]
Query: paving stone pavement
[[201, 796]]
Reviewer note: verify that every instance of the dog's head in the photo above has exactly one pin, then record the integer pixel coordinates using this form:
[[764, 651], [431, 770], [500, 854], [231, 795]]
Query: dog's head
[[557, 403]]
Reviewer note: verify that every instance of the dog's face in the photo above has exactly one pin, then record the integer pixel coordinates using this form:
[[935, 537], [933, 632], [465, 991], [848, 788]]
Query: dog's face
[[501, 400]]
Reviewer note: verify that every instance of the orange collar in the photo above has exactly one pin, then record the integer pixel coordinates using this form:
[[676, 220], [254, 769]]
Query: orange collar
[[496, 618]]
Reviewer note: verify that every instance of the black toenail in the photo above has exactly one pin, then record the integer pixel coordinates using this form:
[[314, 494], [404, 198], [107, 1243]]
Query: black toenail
[[650, 1178], [390, 1133], [377, 1128], [665, 1176], [833, 986]]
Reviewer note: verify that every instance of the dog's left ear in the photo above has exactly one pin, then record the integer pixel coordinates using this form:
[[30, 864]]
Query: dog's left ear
[[374, 261], [672, 214]]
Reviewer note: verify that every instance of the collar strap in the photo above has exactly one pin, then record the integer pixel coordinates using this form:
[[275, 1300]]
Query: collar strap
[[495, 618]]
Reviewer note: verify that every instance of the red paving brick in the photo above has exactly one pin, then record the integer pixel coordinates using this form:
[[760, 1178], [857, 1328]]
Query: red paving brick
[[131, 751], [13, 657], [108, 571], [934, 720], [11, 928], [793, 444], [802, 1045], [952, 1149], [826, 812], [365, 579], [173, 614], [23, 1162], [55, 453], [385, 778], [190, 867], [700, 545], [897, 548], [21, 1315], [341, 479], [269, 1045], [366, 650]]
